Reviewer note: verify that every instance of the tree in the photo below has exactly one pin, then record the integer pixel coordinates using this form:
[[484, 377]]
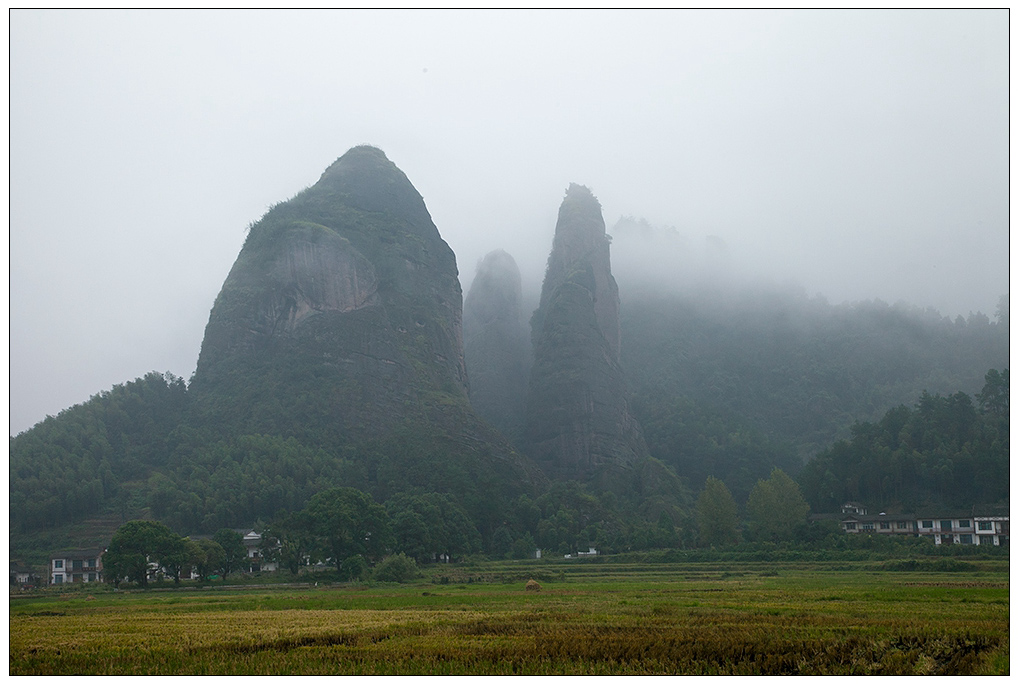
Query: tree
[[206, 556], [501, 542], [523, 547], [234, 553], [996, 394], [134, 545], [717, 514], [354, 568], [1003, 313], [776, 507], [411, 533], [664, 533], [290, 541], [173, 556], [426, 525], [347, 522]]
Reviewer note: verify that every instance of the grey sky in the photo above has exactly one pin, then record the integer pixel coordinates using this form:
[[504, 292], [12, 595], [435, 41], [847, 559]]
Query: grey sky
[[863, 154]]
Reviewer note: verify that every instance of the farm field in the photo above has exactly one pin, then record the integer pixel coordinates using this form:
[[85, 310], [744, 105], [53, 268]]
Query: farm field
[[605, 618]]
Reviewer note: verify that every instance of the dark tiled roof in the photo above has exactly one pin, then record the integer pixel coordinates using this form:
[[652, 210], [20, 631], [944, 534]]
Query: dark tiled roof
[[890, 517], [80, 554]]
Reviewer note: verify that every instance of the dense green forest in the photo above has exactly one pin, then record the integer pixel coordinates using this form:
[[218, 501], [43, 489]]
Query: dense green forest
[[943, 453], [730, 383], [92, 457], [728, 389]]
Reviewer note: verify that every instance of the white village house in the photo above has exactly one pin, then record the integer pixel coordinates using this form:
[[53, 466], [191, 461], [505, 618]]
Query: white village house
[[21, 574], [76, 566], [255, 558]]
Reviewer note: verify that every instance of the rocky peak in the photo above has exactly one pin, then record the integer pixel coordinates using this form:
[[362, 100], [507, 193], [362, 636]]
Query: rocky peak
[[365, 179], [579, 425], [348, 284], [581, 244], [496, 293], [496, 345]]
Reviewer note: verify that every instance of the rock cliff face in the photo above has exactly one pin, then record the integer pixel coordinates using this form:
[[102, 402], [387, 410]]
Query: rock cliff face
[[579, 425], [496, 344], [340, 321]]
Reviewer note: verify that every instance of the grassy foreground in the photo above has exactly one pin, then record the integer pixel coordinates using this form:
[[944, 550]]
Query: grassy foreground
[[759, 618]]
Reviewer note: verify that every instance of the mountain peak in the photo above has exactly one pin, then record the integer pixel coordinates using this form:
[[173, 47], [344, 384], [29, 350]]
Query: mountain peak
[[351, 278], [579, 425]]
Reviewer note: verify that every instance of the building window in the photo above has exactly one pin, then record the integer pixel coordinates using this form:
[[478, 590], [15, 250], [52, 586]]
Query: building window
[[982, 526], [77, 564], [885, 526], [91, 577], [903, 526], [964, 523], [60, 563], [966, 539], [867, 526], [91, 562], [945, 525], [927, 524], [849, 526], [58, 579]]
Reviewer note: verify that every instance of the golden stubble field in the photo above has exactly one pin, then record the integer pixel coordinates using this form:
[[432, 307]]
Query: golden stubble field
[[674, 620]]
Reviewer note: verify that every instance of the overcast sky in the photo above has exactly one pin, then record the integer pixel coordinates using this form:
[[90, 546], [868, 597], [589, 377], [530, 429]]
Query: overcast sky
[[862, 154]]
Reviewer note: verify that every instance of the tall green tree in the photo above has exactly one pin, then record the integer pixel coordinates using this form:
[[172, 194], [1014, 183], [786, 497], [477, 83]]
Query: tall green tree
[[134, 545], [205, 556], [776, 507], [174, 557], [234, 553], [995, 398], [717, 515], [289, 540], [426, 525], [347, 522], [665, 534]]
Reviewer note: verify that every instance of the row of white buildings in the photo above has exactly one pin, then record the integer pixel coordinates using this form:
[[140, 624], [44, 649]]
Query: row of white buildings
[[949, 528]]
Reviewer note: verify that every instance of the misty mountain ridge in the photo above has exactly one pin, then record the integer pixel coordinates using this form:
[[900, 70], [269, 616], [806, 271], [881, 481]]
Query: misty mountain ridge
[[659, 257], [340, 351]]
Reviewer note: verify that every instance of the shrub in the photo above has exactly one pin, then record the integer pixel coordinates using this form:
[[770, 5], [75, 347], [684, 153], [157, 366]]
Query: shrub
[[397, 568], [938, 565]]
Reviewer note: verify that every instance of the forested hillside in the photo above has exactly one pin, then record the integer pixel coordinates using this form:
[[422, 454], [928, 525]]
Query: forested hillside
[[75, 464], [943, 453], [731, 382]]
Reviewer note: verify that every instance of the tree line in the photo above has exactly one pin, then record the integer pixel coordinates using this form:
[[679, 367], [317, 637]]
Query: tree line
[[945, 451], [342, 527], [347, 530]]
